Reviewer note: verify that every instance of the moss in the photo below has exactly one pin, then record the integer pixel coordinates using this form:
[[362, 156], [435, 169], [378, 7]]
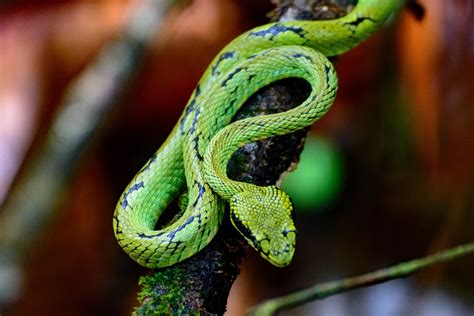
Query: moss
[[168, 299]]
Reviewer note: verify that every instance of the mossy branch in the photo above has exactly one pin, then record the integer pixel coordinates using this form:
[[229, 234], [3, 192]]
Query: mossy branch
[[202, 283], [211, 273]]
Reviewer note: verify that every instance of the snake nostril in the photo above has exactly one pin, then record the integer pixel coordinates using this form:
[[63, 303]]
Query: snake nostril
[[285, 232]]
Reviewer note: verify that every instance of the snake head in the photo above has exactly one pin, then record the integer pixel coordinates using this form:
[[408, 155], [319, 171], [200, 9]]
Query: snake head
[[264, 216]]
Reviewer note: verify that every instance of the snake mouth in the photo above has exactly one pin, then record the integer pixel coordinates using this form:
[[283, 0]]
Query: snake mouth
[[280, 255], [243, 229], [245, 232]]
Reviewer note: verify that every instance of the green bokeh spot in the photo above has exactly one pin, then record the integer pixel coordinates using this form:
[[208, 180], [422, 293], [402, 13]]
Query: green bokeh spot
[[318, 178]]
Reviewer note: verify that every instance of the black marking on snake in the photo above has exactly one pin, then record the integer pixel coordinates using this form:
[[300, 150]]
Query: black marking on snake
[[149, 163], [134, 187], [189, 108], [173, 244], [258, 243], [278, 28], [286, 231], [152, 160], [251, 77], [230, 106], [201, 190], [232, 74], [172, 234], [176, 246], [188, 221], [222, 57], [127, 244], [300, 55], [201, 240], [207, 232], [196, 148], [241, 227], [141, 253], [142, 235], [359, 20], [193, 125], [180, 255], [133, 249], [327, 71], [265, 52]]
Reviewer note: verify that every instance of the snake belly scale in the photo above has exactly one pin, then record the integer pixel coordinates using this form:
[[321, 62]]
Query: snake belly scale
[[195, 154]]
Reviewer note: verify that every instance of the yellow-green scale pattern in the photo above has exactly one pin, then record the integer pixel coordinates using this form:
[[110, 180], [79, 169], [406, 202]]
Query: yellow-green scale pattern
[[194, 158]]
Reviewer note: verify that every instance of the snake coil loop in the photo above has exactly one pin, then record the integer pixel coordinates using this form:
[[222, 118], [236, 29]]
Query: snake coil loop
[[195, 154]]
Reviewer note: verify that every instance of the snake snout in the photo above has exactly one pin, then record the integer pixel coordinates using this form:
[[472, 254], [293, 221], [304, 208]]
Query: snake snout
[[279, 250]]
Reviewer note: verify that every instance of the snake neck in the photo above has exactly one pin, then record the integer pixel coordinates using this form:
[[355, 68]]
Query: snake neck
[[308, 65], [216, 173]]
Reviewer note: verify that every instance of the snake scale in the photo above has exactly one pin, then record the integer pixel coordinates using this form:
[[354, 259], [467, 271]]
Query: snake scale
[[194, 156]]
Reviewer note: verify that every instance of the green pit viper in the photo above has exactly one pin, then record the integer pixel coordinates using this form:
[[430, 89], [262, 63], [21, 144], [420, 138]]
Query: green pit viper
[[195, 154]]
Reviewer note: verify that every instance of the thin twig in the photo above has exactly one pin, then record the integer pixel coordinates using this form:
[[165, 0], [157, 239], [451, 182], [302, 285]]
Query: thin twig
[[319, 291]]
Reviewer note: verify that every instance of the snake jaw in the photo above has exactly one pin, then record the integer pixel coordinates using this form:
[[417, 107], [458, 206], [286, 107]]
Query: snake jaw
[[264, 218]]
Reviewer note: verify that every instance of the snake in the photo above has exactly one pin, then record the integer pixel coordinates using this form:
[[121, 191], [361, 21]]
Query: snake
[[191, 165]]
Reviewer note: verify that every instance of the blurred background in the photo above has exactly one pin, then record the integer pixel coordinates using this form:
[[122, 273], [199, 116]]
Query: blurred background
[[386, 176]]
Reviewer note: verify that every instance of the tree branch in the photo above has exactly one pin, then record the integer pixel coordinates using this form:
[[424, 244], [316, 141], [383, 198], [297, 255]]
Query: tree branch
[[319, 291], [202, 283]]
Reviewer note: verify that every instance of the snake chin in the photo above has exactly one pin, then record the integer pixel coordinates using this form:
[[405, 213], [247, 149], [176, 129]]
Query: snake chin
[[265, 218]]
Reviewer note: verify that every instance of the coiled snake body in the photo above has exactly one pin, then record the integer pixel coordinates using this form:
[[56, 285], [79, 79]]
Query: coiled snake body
[[195, 154]]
